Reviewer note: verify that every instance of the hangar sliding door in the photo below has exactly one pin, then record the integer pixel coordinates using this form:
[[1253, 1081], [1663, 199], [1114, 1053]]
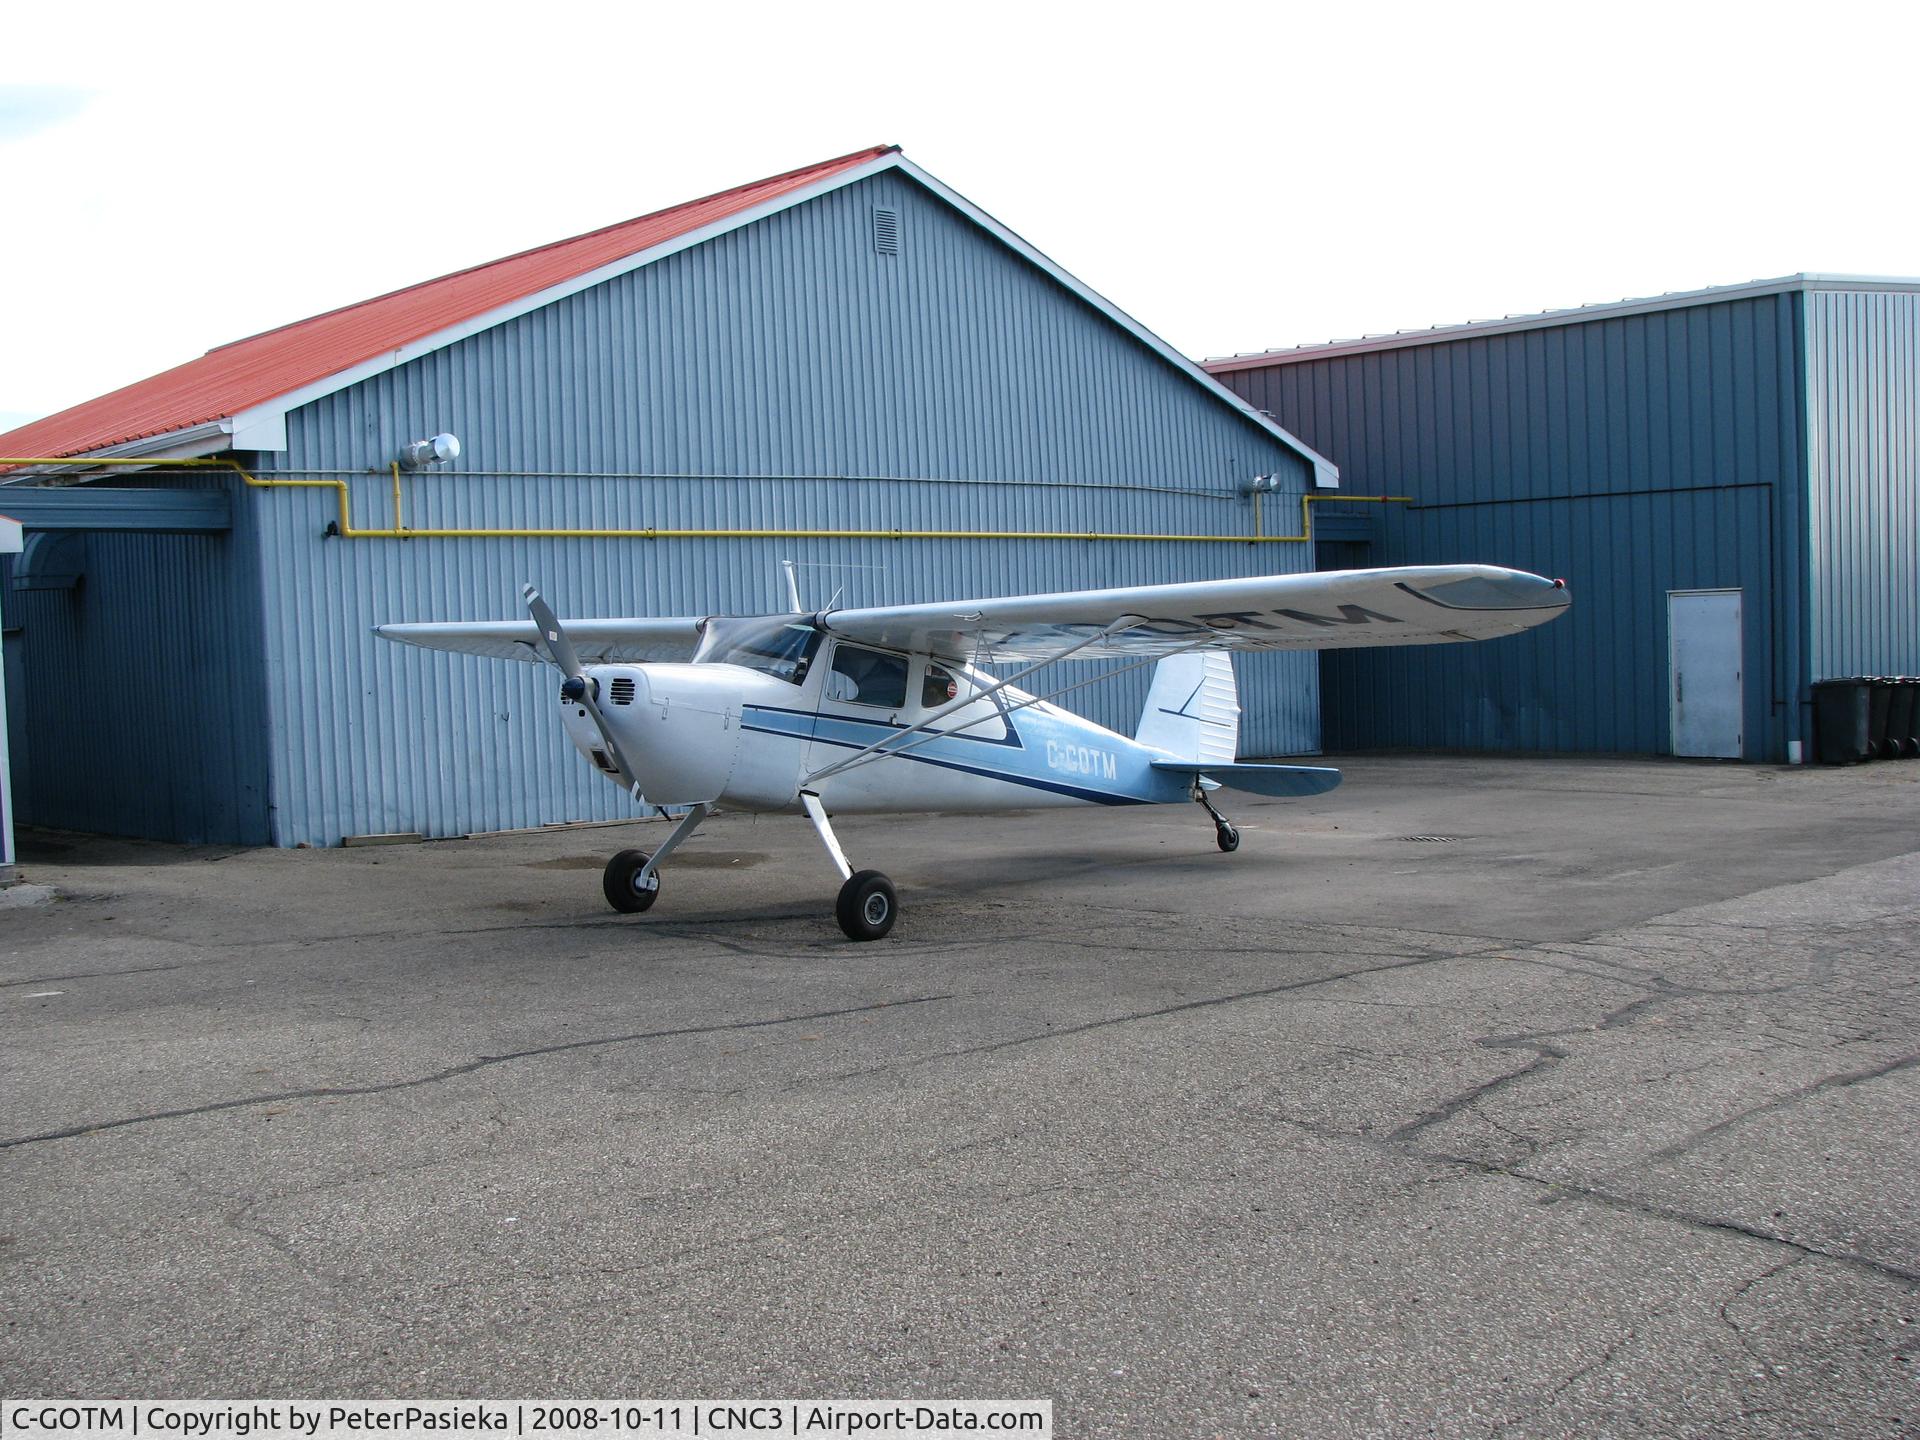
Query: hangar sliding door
[[1703, 657]]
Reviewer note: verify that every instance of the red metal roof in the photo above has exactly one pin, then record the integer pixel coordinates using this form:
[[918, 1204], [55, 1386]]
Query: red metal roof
[[231, 378]]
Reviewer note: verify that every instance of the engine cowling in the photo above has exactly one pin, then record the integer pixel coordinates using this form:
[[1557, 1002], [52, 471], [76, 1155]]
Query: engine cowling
[[678, 726]]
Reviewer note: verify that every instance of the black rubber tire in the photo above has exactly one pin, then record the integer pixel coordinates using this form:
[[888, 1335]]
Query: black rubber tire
[[1227, 838], [618, 883], [867, 906]]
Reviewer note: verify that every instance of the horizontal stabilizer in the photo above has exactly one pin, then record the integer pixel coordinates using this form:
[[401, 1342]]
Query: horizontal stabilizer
[[1292, 780]]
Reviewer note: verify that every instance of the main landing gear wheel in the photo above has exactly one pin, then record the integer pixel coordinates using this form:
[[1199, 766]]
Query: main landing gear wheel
[[867, 905], [621, 882]]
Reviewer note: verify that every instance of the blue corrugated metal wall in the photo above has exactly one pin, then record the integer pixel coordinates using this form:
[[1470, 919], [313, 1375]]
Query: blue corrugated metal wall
[[1631, 455], [980, 393], [134, 703], [1863, 427]]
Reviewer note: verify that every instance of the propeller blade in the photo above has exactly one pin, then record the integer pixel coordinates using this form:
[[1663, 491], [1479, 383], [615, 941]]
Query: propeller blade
[[579, 688], [553, 638]]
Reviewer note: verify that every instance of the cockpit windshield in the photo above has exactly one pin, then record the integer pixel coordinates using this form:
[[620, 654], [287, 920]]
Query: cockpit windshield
[[782, 646]]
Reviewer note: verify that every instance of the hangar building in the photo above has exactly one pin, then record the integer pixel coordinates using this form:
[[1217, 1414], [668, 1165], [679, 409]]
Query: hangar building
[[848, 365], [1728, 479]]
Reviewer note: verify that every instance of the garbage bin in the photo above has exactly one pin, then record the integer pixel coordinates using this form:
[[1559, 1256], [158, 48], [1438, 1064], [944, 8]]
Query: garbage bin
[[1902, 721], [1879, 707], [1842, 710]]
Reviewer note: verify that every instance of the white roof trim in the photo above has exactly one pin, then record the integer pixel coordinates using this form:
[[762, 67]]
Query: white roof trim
[[263, 426], [1576, 315], [1326, 473]]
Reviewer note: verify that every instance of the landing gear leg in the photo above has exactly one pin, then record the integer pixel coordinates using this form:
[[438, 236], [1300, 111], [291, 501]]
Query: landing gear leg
[[1224, 835], [866, 907], [632, 879]]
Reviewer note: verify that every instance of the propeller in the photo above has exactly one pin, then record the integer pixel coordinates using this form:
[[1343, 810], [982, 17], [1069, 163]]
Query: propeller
[[579, 688]]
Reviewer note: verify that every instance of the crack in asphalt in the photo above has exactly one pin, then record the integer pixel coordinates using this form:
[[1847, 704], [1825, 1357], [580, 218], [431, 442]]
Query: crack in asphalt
[[1780, 1102], [1131, 1017], [1613, 1200], [1740, 1335], [453, 1072], [1547, 1401], [1545, 1056], [1661, 991], [1105, 946], [91, 975], [1882, 1269], [1558, 1189], [1399, 1140]]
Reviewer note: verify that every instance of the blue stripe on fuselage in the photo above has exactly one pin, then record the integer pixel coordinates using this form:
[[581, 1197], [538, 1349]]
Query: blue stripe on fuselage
[[1144, 785], [811, 717]]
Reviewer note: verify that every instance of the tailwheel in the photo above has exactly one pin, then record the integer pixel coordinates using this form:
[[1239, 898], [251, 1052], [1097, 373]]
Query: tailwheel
[[867, 905], [1224, 835], [625, 890]]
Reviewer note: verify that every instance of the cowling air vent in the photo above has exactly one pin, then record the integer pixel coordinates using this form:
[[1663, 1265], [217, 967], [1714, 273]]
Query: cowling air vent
[[886, 232], [622, 690]]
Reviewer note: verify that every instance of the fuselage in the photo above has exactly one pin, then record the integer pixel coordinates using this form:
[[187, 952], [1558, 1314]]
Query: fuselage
[[752, 736]]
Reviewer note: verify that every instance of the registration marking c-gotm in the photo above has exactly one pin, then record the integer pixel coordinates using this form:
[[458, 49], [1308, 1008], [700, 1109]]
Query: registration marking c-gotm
[[1082, 760]]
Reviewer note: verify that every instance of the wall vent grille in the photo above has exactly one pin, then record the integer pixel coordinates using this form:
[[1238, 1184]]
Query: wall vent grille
[[886, 232]]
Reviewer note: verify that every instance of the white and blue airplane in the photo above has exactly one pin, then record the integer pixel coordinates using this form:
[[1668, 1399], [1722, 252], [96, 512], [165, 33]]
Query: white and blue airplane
[[888, 709]]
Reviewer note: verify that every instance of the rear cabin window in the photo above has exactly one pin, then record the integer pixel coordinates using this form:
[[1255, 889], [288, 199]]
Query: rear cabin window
[[868, 677], [979, 719], [938, 688]]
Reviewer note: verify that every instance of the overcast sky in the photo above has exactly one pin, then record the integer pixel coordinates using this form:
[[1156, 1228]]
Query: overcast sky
[[1236, 177]]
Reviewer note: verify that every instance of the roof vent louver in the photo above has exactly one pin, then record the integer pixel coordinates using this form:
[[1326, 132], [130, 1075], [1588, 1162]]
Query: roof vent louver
[[622, 689], [886, 232]]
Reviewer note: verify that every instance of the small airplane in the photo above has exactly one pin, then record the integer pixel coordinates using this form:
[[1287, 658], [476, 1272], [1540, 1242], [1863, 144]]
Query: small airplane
[[888, 709]]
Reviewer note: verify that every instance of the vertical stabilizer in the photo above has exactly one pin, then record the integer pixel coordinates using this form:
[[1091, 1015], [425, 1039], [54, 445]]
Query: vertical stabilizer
[[1193, 709]]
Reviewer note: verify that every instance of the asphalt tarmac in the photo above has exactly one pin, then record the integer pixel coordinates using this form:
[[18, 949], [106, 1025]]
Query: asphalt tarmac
[[1478, 1097]]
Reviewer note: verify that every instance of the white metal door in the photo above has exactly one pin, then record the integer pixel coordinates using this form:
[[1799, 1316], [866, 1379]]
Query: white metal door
[[1703, 664]]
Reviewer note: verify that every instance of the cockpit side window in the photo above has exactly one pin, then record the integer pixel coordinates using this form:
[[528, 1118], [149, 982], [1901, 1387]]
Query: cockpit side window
[[868, 677]]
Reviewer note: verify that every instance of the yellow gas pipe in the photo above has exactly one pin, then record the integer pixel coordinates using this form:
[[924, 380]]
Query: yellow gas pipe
[[347, 531]]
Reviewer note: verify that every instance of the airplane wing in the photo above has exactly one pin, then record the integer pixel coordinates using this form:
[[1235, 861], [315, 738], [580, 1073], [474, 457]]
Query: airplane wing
[[1318, 610], [595, 640]]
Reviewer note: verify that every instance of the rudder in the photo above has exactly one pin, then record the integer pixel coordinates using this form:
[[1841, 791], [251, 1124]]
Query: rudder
[[1193, 709]]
